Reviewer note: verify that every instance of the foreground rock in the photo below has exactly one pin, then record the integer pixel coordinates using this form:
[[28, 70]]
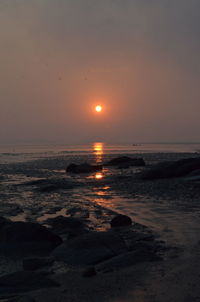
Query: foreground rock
[[121, 221], [178, 168], [22, 299], [83, 168], [125, 162], [70, 226], [25, 236], [90, 248], [32, 264], [24, 281], [51, 184], [127, 259]]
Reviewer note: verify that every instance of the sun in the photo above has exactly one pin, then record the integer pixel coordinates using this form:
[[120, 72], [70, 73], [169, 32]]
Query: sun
[[98, 108]]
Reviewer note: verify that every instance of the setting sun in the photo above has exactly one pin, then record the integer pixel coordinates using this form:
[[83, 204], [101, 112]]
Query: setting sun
[[98, 108]]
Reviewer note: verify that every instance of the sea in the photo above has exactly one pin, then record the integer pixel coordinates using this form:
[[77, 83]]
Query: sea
[[96, 151]]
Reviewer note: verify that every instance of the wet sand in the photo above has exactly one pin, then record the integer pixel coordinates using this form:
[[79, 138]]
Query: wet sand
[[168, 208]]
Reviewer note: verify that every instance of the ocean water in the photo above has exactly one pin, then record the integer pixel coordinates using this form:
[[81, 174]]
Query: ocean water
[[96, 150]]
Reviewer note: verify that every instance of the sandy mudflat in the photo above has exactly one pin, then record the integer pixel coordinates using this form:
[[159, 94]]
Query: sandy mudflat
[[169, 209]]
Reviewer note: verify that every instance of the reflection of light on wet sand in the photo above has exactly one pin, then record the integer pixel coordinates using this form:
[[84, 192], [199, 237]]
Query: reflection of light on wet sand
[[99, 175], [98, 149]]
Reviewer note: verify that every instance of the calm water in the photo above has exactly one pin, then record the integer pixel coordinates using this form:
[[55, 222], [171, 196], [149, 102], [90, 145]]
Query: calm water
[[17, 153]]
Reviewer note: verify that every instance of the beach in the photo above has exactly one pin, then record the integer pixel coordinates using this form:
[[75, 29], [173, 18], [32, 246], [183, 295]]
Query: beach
[[35, 188]]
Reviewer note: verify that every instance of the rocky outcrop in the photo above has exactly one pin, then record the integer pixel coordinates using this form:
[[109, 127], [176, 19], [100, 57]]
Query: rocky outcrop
[[178, 168], [26, 236], [125, 162], [32, 264], [24, 281], [83, 168], [121, 221], [70, 226], [90, 248]]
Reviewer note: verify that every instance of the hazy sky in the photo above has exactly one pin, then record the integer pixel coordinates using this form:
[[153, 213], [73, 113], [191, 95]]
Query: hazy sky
[[139, 58]]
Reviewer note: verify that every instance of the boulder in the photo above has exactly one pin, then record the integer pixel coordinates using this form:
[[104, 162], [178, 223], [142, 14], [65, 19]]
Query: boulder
[[126, 260], [27, 236], [90, 272], [90, 248], [51, 184], [4, 221], [68, 225], [22, 299], [121, 221], [32, 264], [125, 162], [83, 168], [24, 281], [179, 168]]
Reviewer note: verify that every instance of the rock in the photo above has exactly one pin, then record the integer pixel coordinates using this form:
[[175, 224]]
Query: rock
[[120, 221], [83, 168], [125, 162], [90, 272], [4, 221], [90, 248], [126, 260], [32, 264], [22, 299], [27, 236], [70, 225], [24, 281], [51, 184], [179, 168]]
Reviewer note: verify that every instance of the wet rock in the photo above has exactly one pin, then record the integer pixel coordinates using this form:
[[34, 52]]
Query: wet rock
[[83, 168], [120, 221], [4, 221], [78, 212], [127, 259], [90, 248], [51, 184], [178, 168], [22, 299], [26, 236], [24, 281], [90, 272], [125, 162], [69, 225], [32, 264]]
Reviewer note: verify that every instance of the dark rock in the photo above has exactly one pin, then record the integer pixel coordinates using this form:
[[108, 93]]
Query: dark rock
[[25, 281], [51, 184], [120, 221], [22, 299], [28, 236], [83, 168], [4, 221], [90, 272], [178, 168], [127, 259], [125, 162], [32, 264], [90, 248], [69, 225]]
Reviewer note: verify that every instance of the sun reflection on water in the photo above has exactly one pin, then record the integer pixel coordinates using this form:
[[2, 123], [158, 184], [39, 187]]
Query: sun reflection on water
[[99, 175], [98, 149]]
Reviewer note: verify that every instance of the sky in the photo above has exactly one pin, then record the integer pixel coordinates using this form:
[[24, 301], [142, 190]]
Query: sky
[[139, 59]]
